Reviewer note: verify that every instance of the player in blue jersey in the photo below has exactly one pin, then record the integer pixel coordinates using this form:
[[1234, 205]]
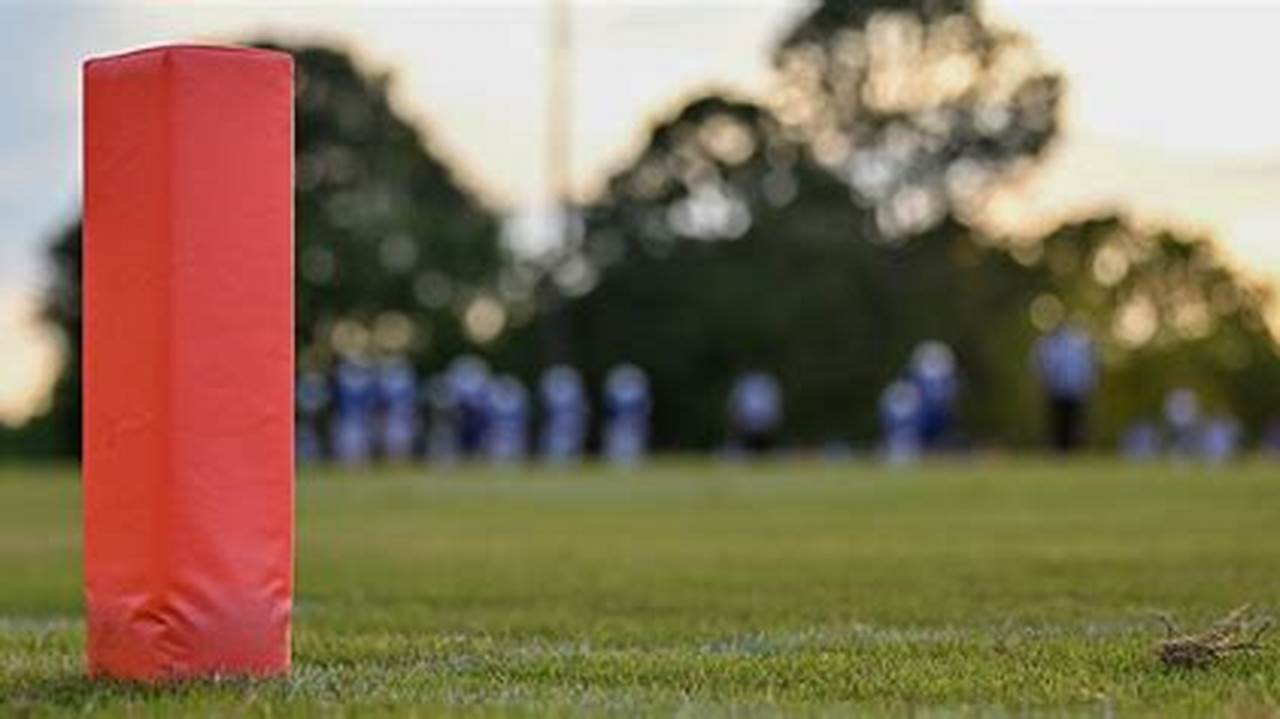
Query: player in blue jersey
[[1182, 416], [469, 384], [933, 372], [1141, 441], [506, 437], [627, 404], [354, 403], [1270, 441], [565, 414], [1066, 366], [397, 393], [900, 409], [1220, 439], [755, 413], [444, 424], [312, 400]]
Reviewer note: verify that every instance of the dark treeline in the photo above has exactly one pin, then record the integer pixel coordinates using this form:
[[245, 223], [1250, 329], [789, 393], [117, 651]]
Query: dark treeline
[[819, 235]]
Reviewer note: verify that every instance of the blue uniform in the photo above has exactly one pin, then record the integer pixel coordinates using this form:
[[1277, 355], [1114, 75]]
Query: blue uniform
[[397, 389], [1141, 442], [355, 399], [900, 409], [1182, 414], [1271, 440], [444, 428], [1067, 368], [755, 411], [626, 412], [564, 402], [469, 382], [933, 372], [1066, 363], [507, 429], [1219, 440], [312, 398]]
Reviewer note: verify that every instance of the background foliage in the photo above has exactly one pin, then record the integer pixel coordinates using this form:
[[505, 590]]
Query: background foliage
[[819, 234]]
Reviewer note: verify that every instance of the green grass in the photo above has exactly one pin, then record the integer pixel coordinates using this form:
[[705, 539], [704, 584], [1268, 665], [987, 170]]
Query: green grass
[[699, 588]]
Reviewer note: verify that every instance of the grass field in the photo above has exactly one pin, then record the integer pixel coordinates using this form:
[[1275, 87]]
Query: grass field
[[697, 588]]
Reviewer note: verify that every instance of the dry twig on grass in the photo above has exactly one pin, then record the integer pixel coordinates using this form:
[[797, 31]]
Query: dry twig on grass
[[1233, 633]]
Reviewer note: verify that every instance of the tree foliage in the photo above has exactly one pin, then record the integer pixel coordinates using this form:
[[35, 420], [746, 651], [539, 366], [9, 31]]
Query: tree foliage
[[823, 237], [778, 269], [918, 105], [1168, 311], [391, 249], [820, 235]]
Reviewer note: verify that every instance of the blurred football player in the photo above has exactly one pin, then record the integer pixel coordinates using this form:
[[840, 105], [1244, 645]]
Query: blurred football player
[[1182, 415], [1219, 440], [469, 383], [933, 371], [397, 391], [755, 413], [565, 411], [312, 400], [1067, 369], [354, 403], [625, 438], [1270, 443], [900, 410], [444, 426], [1141, 442], [506, 435]]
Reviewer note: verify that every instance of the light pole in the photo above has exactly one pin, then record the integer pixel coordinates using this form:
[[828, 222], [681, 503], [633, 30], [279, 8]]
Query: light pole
[[556, 330]]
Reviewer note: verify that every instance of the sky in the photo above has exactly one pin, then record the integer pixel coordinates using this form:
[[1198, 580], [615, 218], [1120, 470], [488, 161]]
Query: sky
[[1170, 114]]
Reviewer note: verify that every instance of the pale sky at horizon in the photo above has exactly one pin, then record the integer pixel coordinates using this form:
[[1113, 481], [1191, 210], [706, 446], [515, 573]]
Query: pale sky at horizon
[[1167, 112]]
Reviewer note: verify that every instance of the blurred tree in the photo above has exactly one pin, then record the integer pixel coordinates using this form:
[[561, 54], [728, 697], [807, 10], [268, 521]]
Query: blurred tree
[[1168, 311], [824, 236], [765, 262], [820, 237], [918, 105], [57, 431], [393, 253], [759, 267]]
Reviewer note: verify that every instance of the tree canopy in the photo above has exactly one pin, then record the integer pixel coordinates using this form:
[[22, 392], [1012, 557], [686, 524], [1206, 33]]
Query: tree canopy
[[823, 236], [392, 250], [820, 233], [918, 105]]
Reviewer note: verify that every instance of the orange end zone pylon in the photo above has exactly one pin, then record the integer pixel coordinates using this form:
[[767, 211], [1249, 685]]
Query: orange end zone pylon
[[188, 374]]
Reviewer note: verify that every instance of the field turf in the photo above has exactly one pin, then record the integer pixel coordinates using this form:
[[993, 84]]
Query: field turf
[[698, 588]]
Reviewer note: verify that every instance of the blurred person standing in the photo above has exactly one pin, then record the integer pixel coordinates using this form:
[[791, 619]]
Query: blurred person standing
[[627, 404], [1219, 440], [470, 386], [1270, 441], [1141, 442], [755, 413], [900, 409], [506, 437], [444, 425], [1182, 415], [1066, 366], [933, 371], [397, 392], [565, 411], [312, 400], [355, 399]]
